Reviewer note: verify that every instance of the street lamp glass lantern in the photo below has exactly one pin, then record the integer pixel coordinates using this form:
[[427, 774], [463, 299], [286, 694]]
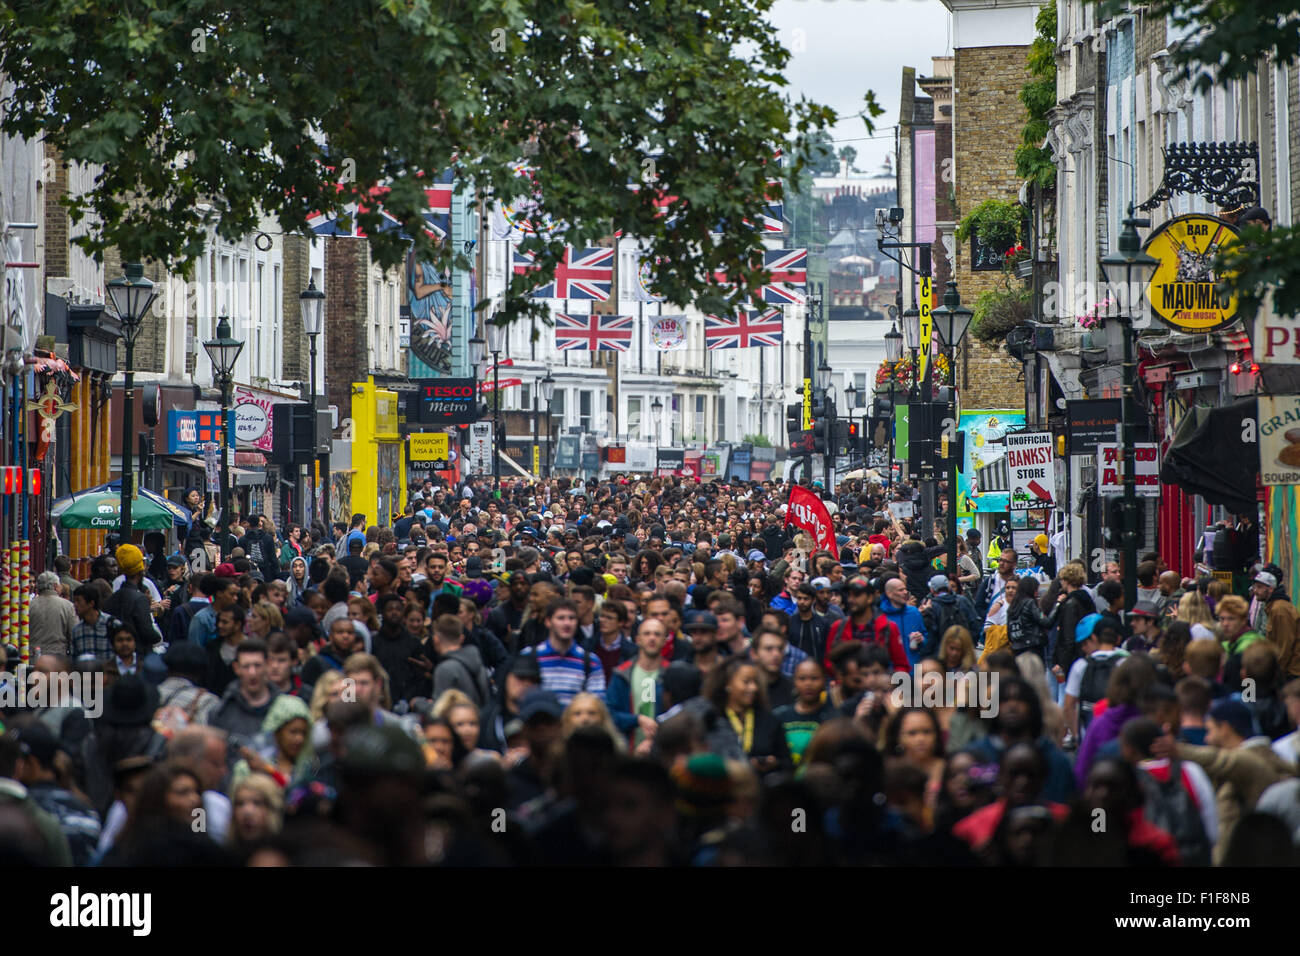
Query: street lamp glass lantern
[[912, 329], [224, 349], [496, 336], [893, 345], [851, 395], [952, 319], [312, 302], [477, 347], [824, 375], [131, 295], [1128, 260], [548, 388]]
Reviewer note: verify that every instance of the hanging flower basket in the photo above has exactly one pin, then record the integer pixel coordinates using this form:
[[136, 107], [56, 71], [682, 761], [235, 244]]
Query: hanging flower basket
[[903, 374]]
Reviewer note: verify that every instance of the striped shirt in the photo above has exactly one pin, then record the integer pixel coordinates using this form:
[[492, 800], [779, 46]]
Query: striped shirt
[[567, 675]]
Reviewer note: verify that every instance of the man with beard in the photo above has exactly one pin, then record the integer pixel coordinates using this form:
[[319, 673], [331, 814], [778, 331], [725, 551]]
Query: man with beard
[[864, 623], [702, 628]]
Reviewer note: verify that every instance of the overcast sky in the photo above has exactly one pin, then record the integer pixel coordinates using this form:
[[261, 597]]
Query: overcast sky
[[842, 48]]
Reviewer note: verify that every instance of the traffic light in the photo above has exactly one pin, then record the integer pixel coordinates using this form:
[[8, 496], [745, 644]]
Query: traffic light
[[821, 430], [794, 420], [853, 444], [22, 481]]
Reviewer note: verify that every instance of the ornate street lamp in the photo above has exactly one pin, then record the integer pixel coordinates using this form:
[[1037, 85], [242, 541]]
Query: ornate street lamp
[[130, 295], [223, 351]]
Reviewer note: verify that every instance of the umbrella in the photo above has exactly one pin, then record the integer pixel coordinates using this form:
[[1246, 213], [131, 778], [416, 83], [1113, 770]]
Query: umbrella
[[868, 474], [99, 508]]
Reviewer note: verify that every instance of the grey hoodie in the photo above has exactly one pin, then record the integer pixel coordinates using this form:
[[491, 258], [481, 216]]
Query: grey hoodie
[[463, 669], [241, 721]]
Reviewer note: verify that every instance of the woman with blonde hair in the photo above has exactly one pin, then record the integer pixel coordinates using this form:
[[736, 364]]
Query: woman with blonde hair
[[328, 688], [1032, 669], [257, 811], [957, 650], [264, 619], [1193, 609], [455, 707], [588, 710]]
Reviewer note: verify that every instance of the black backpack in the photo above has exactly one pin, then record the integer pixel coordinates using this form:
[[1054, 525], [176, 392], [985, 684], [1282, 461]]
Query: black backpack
[[1096, 675], [1170, 807]]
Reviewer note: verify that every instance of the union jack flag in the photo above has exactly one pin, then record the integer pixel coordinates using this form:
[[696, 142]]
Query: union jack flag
[[593, 333], [582, 274], [789, 269], [748, 328]]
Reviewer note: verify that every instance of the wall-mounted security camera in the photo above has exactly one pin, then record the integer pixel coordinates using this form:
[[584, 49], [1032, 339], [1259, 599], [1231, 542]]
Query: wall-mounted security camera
[[896, 214]]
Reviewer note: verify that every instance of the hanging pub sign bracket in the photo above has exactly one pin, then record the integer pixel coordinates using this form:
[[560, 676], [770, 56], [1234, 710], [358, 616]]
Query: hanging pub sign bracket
[[1226, 174]]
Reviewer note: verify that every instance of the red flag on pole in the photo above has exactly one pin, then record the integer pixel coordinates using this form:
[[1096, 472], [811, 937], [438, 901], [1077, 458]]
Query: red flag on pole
[[805, 510]]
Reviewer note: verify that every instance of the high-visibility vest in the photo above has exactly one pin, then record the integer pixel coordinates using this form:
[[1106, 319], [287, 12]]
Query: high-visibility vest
[[995, 552]]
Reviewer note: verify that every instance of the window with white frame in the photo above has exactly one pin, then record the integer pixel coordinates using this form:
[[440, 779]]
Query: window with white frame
[[721, 433], [584, 410], [634, 420], [698, 428]]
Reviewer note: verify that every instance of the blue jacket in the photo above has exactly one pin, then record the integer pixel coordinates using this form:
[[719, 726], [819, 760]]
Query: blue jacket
[[784, 603], [618, 696], [908, 619]]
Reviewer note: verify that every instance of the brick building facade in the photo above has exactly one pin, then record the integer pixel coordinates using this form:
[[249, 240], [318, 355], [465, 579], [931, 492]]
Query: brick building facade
[[988, 118]]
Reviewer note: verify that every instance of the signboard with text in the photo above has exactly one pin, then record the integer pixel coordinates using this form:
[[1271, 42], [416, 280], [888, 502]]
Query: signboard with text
[[447, 401], [1110, 469], [429, 450], [1030, 470], [1279, 439]]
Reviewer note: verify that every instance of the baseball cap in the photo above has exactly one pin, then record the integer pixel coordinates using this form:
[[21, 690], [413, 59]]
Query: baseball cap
[[226, 570], [820, 584], [756, 555], [1267, 579], [540, 703], [37, 740], [473, 566], [1083, 630], [860, 585], [1144, 609], [1041, 541], [938, 583], [700, 621], [176, 561], [300, 615]]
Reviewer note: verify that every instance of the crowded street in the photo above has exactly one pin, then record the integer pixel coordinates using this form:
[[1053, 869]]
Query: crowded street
[[742, 434]]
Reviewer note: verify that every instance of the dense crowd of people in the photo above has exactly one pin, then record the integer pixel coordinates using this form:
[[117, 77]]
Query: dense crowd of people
[[646, 672]]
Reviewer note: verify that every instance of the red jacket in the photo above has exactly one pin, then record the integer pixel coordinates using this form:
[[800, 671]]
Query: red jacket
[[881, 631]]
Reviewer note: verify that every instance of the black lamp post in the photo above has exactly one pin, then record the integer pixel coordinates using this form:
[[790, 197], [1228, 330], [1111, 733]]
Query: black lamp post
[[893, 352], [1138, 267], [312, 302], [496, 345], [130, 295], [224, 352], [951, 320], [548, 393], [477, 356], [828, 457], [657, 412]]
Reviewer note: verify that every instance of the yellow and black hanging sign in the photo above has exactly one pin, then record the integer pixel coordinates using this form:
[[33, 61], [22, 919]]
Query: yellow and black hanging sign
[[1184, 290]]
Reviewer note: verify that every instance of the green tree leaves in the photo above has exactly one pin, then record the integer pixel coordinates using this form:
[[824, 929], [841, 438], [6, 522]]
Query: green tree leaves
[[204, 114]]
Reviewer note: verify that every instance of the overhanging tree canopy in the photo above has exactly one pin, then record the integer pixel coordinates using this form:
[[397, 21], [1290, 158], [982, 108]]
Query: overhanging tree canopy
[[202, 114]]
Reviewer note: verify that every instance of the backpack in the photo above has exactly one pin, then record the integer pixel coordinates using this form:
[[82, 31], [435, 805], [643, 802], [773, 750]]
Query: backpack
[[946, 616], [1096, 675], [1170, 807]]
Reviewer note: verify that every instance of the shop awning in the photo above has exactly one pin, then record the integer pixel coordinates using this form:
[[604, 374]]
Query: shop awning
[[1208, 456]]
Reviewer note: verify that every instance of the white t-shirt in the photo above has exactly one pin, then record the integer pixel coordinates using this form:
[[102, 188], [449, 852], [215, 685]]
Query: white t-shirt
[[998, 586], [1074, 680], [1288, 747]]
